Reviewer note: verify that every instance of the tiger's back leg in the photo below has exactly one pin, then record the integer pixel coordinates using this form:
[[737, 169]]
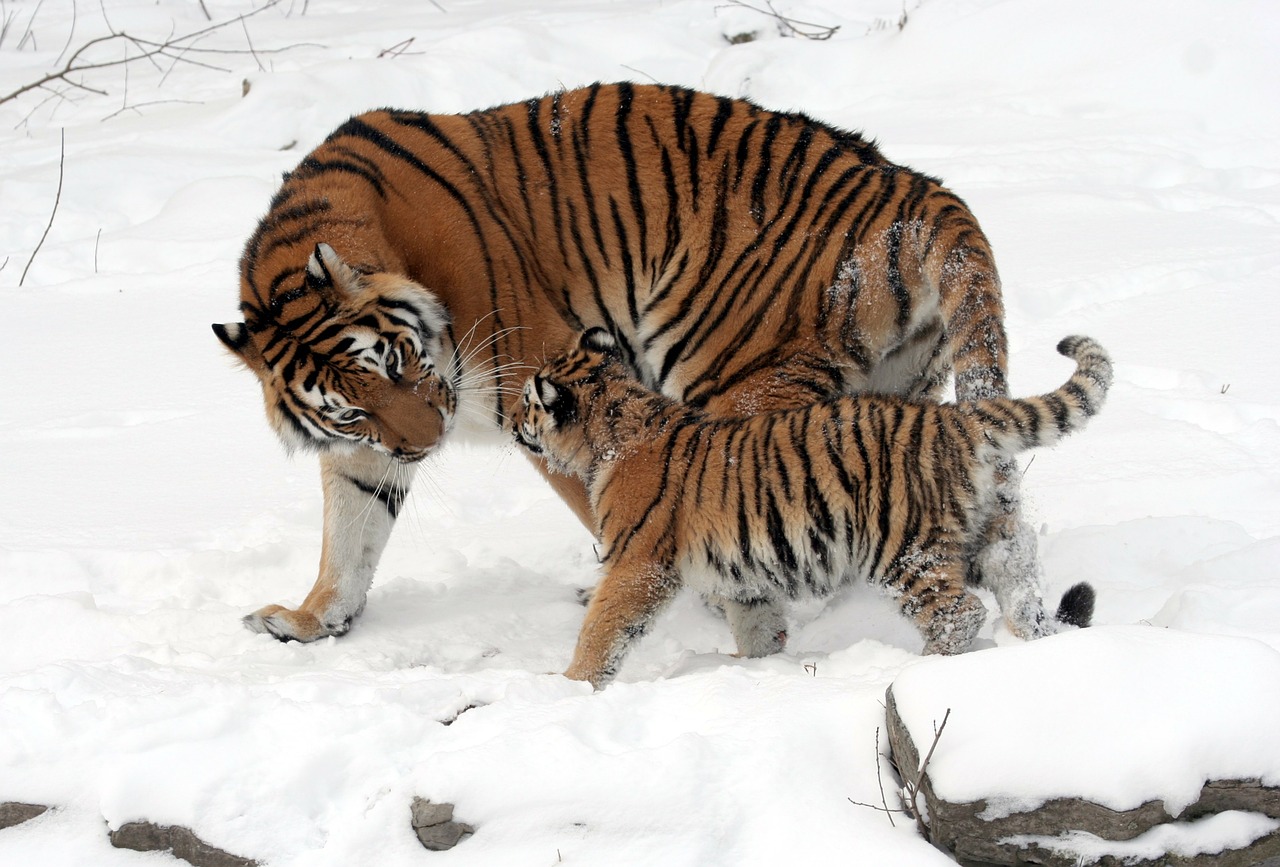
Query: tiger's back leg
[[959, 264], [929, 586], [759, 626], [1007, 563]]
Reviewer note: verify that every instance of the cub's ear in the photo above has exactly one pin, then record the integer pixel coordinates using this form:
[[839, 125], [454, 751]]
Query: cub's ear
[[326, 270], [235, 336], [559, 402], [548, 393], [598, 340]]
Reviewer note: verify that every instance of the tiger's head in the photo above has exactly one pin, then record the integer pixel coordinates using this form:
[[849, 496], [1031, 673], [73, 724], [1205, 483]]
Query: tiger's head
[[552, 418], [348, 358]]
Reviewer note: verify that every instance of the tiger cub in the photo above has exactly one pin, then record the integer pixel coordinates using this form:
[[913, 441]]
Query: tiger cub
[[751, 511]]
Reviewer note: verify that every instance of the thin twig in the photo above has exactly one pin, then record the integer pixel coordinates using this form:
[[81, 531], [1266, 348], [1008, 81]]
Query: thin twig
[[205, 10], [877, 809], [914, 789], [640, 72], [806, 29], [6, 22], [880, 781], [124, 103], [96, 241], [249, 40], [29, 34], [150, 50], [102, 6], [137, 105], [398, 49], [886, 809], [62, 155], [4, 263], [71, 34]]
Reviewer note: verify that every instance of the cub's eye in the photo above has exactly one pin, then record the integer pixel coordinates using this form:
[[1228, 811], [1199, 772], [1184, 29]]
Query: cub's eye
[[393, 363], [344, 415]]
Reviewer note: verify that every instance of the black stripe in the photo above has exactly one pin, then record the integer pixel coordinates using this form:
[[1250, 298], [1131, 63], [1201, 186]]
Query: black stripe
[[724, 110], [389, 495], [626, 93]]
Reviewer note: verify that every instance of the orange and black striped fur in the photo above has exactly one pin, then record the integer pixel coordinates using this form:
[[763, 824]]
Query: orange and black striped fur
[[756, 510], [414, 265]]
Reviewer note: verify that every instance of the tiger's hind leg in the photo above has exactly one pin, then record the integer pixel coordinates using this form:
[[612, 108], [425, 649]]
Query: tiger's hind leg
[[930, 589], [759, 626], [363, 493], [1007, 564]]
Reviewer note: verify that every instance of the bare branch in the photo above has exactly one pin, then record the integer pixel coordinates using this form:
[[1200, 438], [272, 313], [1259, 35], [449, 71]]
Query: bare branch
[[398, 49], [71, 34], [880, 781], [886, 809], [122, 109], [62, 155], [249, 40], [912, 788], [639, 72], [28, 34], [790, 26], [149, 49], [53, 94], [7, 21]]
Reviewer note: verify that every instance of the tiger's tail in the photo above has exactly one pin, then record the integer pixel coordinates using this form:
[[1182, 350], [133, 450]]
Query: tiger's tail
[[1013, 425]]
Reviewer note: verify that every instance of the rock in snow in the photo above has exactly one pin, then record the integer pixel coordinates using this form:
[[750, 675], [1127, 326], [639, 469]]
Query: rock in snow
[[434, 825], [181, 842], [1013, 777]]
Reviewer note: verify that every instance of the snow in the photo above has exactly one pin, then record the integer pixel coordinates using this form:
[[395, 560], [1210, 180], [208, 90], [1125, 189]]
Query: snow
[[1123, 160]]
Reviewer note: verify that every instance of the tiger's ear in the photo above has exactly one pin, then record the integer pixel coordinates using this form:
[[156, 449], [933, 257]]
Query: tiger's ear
[[235, 336], [598, 340], [326, 270]]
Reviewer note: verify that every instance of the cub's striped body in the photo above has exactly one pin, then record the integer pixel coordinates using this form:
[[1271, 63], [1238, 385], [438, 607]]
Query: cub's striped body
[[758, 510], [744, 260]]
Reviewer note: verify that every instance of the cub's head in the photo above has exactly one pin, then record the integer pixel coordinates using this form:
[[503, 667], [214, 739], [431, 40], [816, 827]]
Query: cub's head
[[349, 358], [551, 418]]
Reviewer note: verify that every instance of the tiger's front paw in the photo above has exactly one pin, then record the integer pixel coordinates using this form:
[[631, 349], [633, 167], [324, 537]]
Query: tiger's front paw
[[286, 624], [596, 675]]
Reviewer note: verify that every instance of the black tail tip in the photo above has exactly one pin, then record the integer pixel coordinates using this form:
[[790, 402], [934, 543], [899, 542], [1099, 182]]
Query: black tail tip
[[1076, 607], [1068, 345]]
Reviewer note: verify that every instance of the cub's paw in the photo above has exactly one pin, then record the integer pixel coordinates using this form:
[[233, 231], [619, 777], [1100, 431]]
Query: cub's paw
[[285, 624]]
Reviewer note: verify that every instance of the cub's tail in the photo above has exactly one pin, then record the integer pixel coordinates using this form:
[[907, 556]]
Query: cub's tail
[[1076, 607], [1017, 424]]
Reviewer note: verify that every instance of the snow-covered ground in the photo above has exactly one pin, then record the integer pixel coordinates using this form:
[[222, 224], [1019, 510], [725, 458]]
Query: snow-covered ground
[[1125, 161]]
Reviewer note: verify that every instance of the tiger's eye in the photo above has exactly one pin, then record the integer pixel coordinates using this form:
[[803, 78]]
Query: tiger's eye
[[391, 362]]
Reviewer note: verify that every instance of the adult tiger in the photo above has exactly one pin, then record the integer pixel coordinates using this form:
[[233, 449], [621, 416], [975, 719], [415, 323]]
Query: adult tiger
[[743, 260]]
